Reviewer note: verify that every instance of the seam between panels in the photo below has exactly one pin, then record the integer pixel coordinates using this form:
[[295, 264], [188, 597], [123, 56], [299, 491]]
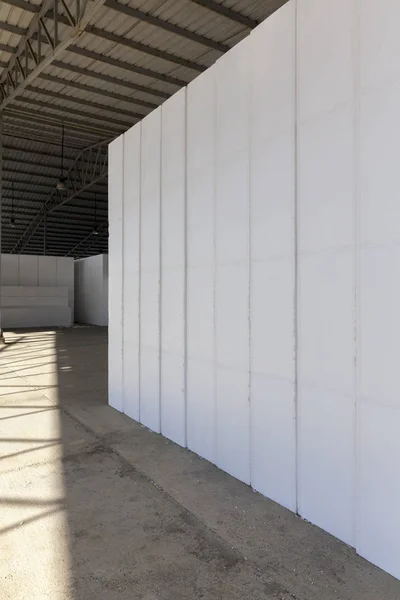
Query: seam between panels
[[214, 192], [296, 258], [160, 277], [139, 272], [249, 253], [356, 116], [123, 275], [185, 276]]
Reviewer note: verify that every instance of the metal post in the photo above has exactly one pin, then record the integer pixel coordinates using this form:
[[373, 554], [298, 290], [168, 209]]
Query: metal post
[[1, 202]]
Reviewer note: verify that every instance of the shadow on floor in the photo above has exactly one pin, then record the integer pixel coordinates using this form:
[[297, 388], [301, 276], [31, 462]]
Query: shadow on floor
[[96, 507]]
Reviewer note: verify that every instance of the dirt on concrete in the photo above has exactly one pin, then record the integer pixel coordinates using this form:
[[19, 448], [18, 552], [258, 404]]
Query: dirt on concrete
[[96, 507]]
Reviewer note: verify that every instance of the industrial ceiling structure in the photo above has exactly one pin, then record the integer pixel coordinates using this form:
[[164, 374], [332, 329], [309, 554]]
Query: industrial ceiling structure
[[74, 74]]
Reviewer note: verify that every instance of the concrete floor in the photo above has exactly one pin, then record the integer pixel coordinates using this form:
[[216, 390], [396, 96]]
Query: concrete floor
[[96, 507]]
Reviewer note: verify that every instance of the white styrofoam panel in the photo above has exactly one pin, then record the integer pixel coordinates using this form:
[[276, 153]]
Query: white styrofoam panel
[[379, 486], [150, 388], [326, 181], [201, 407], [47, 267], [232, 79], [272, 318], [272, 197], [272, 76], [232, 422], [327, 460], [200, 218], [273, 439], [325, 67], [150, 223], [150, 190], [36, 316], [232, 316], [34, 301], [379, 374], [173, 262], [9, 269], [201, 120], [28, 270], [379, 203], [379, 42], [232, 208], [200, 313], [200, 393], [173, 405], [173, 312], [65, 277], [116, 258], [132, 153], [91, 290], [326, 315]]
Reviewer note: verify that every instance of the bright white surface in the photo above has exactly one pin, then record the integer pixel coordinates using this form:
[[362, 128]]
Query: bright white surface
[[173, 266], [232, 261], [115, 280], [30, 283], [91, 290], [292, 249], [272, 293], [132, 141], [150, 222], [200, 393]]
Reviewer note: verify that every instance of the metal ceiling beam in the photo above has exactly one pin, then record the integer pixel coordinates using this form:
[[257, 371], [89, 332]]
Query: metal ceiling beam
[[10, 148], [108, 79], [119, 64], [83, 102], [166, 25], [17, 127], [51, 120], [5, 48], [112, 37], [92, 90], [83, 210], [145, 49], [18, 195], [120, 126], [98, 189], [18, 75], [89, 167], [230, 14], [84, 245], [31, 174]]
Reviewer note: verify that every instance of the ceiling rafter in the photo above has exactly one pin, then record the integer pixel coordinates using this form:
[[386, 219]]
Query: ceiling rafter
[[90, 166], [112, 37], [18, 74]]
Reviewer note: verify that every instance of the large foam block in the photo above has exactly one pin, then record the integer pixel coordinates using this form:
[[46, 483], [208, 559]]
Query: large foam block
[[326, 273], [201, 407], [28, 270], [378, 496], [9, 269], [91, 290], [173, 267], [132, 152], [232, 258], [116, 259], [47, 270], [150, 271], [272, 293]]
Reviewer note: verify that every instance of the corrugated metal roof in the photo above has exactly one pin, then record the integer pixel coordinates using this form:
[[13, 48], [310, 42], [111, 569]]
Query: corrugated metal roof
[[132, 56]]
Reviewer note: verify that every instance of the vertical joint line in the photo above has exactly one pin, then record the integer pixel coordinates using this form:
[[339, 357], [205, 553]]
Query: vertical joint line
[[296, 259]]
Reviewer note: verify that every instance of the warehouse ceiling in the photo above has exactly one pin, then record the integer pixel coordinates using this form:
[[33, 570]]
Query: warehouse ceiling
[[93, 69]]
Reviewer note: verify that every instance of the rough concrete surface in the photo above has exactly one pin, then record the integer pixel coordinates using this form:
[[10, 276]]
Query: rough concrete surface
[[96, 507]]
